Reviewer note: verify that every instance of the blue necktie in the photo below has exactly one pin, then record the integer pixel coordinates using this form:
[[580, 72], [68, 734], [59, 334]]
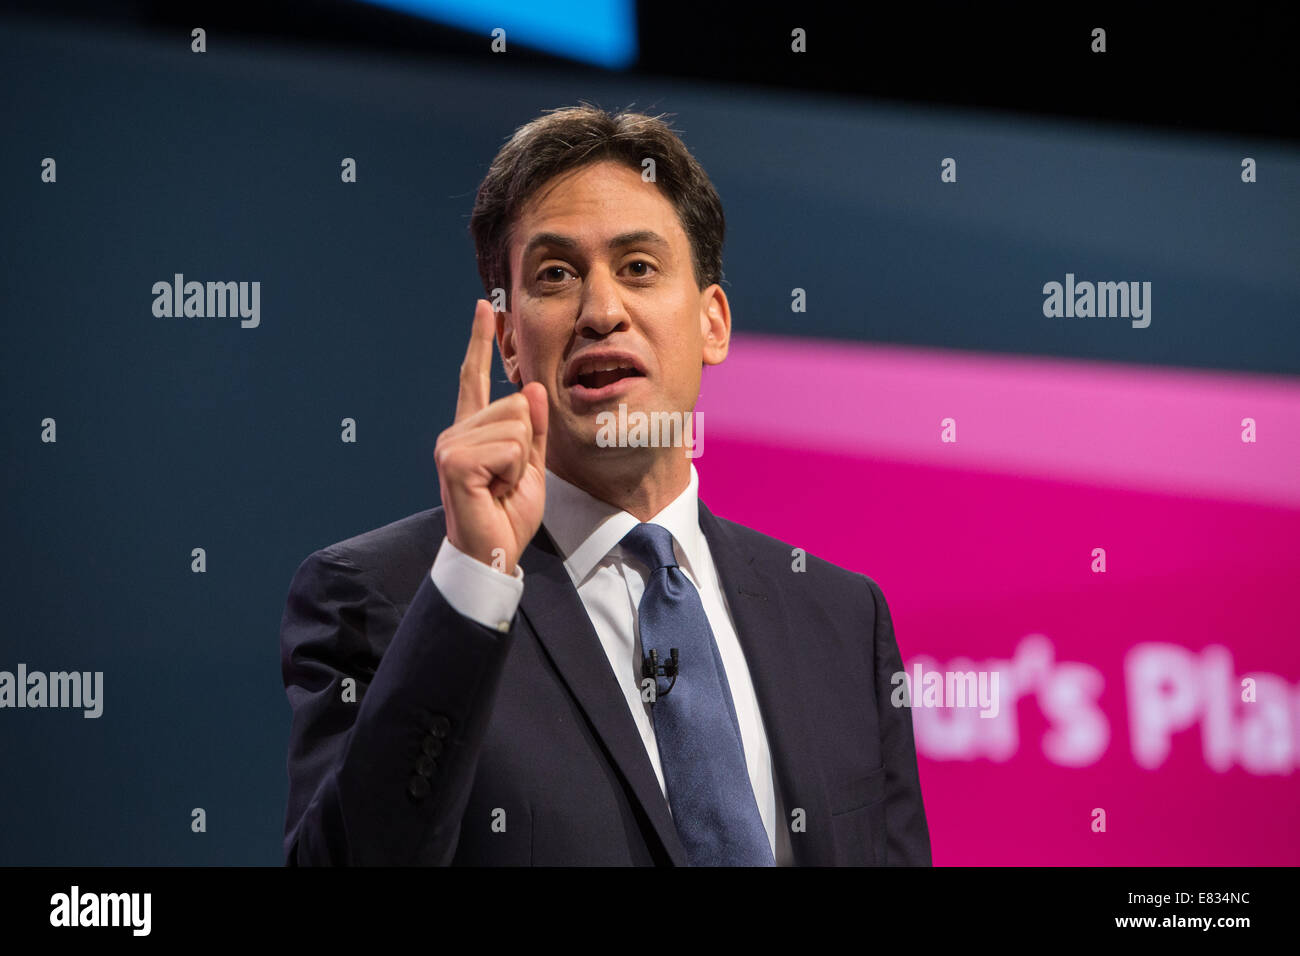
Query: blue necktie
[[695, 723]]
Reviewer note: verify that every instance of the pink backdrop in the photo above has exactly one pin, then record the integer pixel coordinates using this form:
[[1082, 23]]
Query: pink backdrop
[[1119, 690]]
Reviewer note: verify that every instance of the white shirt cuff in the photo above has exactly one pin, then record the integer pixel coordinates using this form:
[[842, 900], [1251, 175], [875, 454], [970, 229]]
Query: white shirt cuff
[[478, 591]]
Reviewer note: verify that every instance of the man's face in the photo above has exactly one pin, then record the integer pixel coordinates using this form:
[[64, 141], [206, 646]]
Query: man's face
[[602, 276]]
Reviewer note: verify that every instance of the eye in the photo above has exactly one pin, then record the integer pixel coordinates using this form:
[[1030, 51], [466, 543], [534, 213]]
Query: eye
[[553, 274], [640, 268]]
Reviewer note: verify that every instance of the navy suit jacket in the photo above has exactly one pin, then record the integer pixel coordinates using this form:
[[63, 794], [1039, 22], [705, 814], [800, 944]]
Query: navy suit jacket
[[460, 744]]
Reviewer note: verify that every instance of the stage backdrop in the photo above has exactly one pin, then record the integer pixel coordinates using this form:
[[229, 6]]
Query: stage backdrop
[[1095, 544]]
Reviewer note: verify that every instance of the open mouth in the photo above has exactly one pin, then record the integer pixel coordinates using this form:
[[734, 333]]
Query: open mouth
[[599, 378], [603, 373]]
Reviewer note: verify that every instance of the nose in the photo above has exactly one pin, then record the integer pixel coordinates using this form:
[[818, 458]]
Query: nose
[[601, 311]]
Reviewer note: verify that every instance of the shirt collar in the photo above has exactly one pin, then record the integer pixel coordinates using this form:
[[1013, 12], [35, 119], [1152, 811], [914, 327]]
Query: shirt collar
[[586, 529]]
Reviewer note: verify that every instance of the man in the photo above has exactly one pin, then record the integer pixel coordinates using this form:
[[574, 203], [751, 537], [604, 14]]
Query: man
[[573, 661]]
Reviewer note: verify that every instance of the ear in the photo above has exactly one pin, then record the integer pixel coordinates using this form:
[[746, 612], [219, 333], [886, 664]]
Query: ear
[[715, 324], [506, 343]]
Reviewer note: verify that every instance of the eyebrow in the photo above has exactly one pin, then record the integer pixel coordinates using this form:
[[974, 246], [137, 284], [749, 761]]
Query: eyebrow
[[639, 237]]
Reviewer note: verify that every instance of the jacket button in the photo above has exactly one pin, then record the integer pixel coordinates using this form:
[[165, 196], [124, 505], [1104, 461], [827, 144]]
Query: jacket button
[[424, 766], [432, 746], [439, 725], [418, 787]]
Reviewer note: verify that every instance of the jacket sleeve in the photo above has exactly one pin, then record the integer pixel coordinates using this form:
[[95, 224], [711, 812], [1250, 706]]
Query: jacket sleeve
[[907, 836], [380, 771]]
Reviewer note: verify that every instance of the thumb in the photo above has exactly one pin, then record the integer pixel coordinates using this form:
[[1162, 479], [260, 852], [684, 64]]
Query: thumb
[[538, 413]]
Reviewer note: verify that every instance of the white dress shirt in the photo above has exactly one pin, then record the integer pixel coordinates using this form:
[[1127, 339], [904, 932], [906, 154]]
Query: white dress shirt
[[587, 532]]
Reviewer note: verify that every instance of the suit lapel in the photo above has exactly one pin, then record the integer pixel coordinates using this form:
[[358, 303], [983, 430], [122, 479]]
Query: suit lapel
[[555, 611], [772, 657]]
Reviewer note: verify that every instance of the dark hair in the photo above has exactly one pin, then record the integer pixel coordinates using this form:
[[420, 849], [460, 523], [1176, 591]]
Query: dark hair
[[565, 139]]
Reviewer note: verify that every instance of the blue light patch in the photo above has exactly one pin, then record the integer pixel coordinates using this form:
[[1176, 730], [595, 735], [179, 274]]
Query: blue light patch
[[602, 32]]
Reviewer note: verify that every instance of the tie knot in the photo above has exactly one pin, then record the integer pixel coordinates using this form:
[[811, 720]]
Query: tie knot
[[652, 545]]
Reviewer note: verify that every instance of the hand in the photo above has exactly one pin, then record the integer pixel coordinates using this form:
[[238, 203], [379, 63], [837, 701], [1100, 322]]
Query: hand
[[492, 460]]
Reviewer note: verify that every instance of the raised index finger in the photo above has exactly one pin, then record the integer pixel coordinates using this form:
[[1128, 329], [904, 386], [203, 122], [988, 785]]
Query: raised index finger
[[476, 372]]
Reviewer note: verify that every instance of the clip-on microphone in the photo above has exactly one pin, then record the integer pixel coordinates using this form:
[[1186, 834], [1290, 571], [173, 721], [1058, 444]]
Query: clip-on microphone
[[650, 667]]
